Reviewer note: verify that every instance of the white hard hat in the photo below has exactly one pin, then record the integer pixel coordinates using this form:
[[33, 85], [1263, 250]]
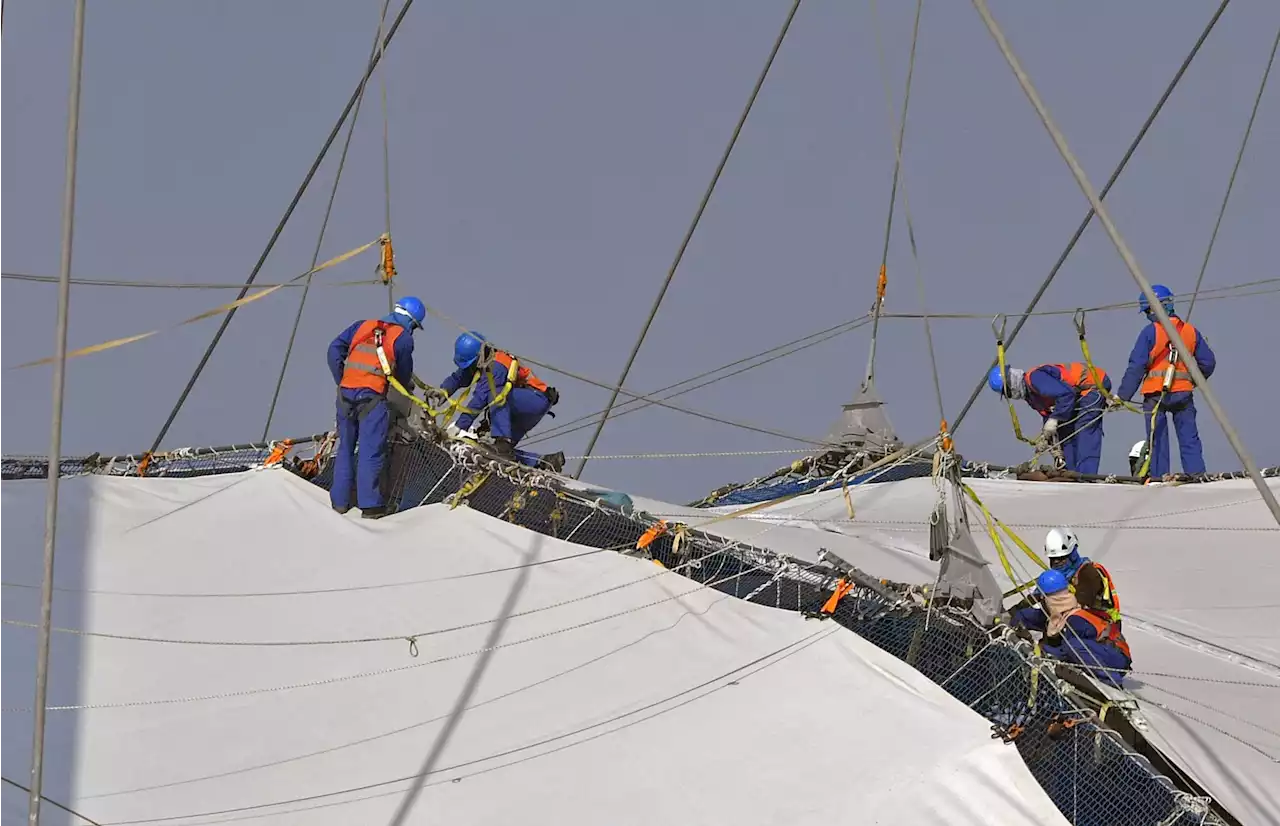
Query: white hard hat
[[1138, 449], [1060, 542]]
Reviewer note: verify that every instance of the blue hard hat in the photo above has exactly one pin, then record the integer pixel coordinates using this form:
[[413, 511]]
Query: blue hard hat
[[466, 350], [1163, 293], [995, 380], [1051, 582], [413, 308]]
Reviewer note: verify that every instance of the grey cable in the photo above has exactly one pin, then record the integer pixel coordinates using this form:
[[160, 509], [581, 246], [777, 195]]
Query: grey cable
[[1131, 263], [1115, 175], [53, 803], [275, 235], [688, 236], [386, 158], [878, 307], [1231, 182], [55, 430], [821, 335], [898, 141], [640, 405], [173, 285], [670, 406], [324, 226]]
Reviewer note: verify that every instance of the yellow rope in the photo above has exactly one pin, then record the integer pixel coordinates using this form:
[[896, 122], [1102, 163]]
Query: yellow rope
[[221, 308]]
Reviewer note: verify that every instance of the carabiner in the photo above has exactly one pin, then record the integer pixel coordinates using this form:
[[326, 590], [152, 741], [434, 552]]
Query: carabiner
[[998, 326], [1078, 320]]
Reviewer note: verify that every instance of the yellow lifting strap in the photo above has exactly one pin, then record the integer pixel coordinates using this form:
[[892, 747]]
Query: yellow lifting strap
[[992, 523], [1078, 319], [1094, 376], [218, 310], [1002, 321], [450, 405]]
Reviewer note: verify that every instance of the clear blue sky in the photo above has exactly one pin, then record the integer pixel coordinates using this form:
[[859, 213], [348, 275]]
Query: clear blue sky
[[546, 159]]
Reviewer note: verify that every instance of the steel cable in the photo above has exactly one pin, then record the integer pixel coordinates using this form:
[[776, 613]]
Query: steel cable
[[1102, 194], [324, 226], [688, 236], [1231, 182], [275, 235]]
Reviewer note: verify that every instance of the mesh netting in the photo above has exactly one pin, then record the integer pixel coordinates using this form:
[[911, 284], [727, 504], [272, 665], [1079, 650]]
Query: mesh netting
[[1086, 769]]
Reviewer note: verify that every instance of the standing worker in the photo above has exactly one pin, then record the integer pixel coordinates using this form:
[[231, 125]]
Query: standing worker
[[515, 398], [1156, 368], [1067, 398], [361, 358]]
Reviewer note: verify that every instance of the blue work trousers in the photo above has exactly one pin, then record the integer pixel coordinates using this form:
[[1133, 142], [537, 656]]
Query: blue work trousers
[[1105, 662], [363, 421], [1182, 407], [1081, 436], [523, 409]]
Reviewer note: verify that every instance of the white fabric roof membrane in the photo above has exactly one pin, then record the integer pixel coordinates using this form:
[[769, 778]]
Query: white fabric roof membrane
[[1196, 567], [614, 692]]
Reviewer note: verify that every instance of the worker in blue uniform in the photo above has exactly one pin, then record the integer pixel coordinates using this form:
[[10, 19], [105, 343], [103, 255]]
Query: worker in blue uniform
[[514, 398], [1066, 397], [361, 358], [1159, 372], [1074, 634]]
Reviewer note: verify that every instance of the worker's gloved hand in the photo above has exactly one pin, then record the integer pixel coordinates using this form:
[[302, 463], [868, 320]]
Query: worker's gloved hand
[[553, 396], [1050, 429], [1115, 403], [437, 399]]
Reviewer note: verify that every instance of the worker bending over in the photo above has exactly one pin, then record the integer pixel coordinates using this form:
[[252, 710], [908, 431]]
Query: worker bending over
[[1074, 634], [1156, 368], [1067, 398], [361, 358], [1094, 588], [515, 403]]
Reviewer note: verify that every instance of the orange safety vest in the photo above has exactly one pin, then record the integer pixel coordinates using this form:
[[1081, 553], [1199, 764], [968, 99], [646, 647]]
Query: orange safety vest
[[1110, 597], [363, 369], [1106, 632], [524, 377], [1163, 354], [1077, 375]]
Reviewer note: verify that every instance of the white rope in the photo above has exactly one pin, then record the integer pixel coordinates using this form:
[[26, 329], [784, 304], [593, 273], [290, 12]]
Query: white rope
[[382, 671]]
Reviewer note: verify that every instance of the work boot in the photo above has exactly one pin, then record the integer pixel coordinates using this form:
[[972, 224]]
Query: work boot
[[373, 513], [505, 449], [342, 510], [553, 462]]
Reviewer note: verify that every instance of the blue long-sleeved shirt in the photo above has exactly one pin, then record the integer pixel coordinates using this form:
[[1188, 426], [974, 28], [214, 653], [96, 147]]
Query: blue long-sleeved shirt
[[1046, 391], [1034, 618], [480, 396], [1139, 360], [402, 352]]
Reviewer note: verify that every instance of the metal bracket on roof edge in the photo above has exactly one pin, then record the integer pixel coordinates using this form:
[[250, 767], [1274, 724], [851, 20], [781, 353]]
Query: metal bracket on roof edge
[[857, 576]]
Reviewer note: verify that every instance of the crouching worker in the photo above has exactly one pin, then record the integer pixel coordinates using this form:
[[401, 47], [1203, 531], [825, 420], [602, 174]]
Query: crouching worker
[[1066, 397], [1074, 634], [514, 398], [361, 358]]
